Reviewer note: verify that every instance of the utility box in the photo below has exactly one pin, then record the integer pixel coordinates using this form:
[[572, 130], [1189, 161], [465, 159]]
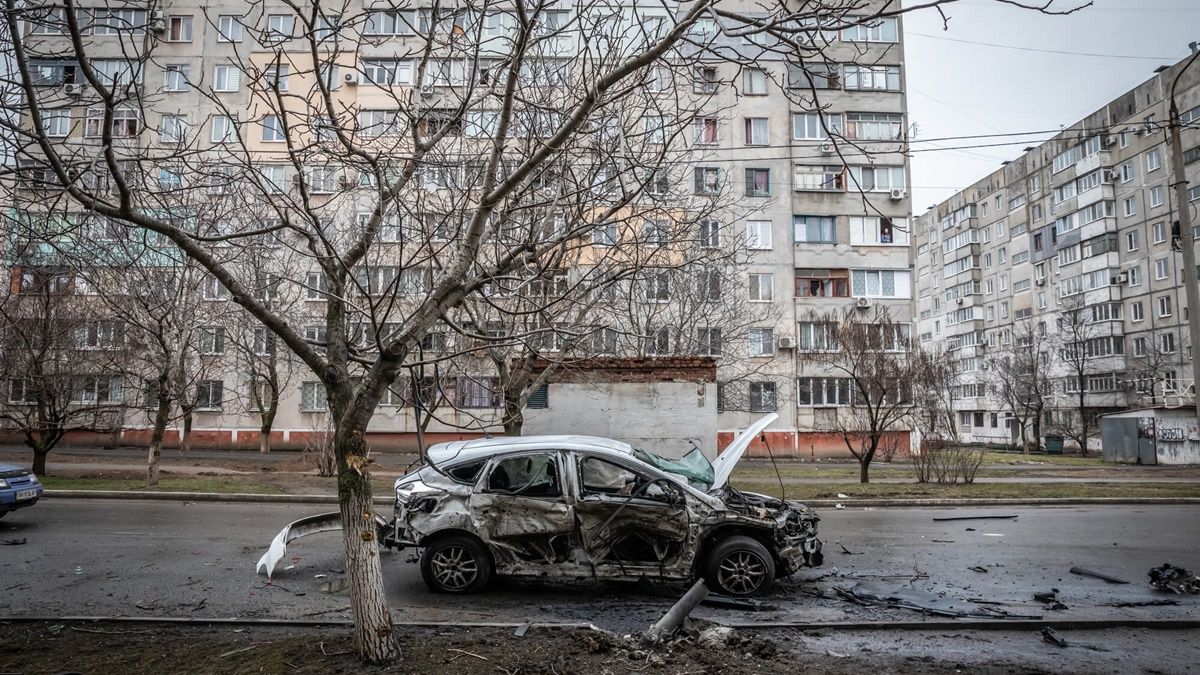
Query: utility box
[[1151, 436]]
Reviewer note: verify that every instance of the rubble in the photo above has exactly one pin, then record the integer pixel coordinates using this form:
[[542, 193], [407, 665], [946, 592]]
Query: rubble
[[1050, 599], [1171, 578]]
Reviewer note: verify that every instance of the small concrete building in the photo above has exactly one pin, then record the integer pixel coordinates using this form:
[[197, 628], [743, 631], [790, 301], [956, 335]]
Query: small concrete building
[[1151, 436]]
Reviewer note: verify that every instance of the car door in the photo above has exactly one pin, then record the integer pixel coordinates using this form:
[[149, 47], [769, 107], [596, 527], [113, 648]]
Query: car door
[[628, 518], [521, 509]]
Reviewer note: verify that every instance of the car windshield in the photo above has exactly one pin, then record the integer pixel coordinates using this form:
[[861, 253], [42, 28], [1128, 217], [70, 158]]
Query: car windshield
[[693, 466]]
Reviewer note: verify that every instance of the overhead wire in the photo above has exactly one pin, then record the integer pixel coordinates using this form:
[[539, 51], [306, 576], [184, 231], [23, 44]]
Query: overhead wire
[[1060, 52]]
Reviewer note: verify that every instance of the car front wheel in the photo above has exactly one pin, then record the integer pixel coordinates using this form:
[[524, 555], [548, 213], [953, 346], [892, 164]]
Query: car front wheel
[[456, 564], [739, 566]]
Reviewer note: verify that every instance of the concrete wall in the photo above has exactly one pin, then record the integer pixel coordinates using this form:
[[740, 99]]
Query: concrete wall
[[1169, 436]]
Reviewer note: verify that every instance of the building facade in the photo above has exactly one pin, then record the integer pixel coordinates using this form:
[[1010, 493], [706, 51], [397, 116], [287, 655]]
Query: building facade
[[798, 158], [1068, 254]]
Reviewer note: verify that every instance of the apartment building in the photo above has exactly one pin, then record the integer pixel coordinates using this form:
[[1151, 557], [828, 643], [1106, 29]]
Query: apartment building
[[800, 167], [1078, 227]]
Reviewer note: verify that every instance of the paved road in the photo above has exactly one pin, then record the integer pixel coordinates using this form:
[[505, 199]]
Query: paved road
[[155, 558]]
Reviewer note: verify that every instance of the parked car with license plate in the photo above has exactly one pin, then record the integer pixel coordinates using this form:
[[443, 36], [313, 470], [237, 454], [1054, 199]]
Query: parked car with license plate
[[19, 488]]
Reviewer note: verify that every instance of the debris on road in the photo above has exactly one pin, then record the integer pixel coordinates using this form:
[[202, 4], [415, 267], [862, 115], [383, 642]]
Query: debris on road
[[926, 602], [1050, 635], [848, 551], [1162, 602], [1084, 572], [521, 630], [1050, 599], [949, 518], [979, 568], [13, 542], [1176, 579], [673, 619]]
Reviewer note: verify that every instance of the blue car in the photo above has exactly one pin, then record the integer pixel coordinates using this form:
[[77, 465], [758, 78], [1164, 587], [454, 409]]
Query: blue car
[[18, 488]]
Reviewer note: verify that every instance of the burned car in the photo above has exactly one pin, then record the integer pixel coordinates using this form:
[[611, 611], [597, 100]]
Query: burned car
[[585, 507]]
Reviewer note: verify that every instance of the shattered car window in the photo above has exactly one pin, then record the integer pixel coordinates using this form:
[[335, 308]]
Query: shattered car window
[[466, 473], [603, 477], [693, 466], [528, 476]]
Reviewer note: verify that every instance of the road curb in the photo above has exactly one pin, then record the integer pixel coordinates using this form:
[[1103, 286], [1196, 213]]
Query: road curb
[[822, 503]]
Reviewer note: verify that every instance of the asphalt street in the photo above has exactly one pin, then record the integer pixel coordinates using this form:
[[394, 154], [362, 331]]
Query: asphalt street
[[159, 558]]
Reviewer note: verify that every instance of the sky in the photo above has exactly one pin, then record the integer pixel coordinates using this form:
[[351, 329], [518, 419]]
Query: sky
[[958, 89]]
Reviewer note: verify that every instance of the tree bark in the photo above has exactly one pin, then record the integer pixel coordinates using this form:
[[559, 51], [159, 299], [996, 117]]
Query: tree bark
[[156, 440], [39, 461], [514, 417], [264, 440], [185, 440], [374, 638], [864, 468]]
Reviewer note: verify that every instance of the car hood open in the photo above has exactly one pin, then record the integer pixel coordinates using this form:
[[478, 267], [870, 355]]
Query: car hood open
[[725, 462]]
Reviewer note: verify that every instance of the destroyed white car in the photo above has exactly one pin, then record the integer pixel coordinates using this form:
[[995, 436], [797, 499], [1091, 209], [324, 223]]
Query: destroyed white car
[[574, 507]]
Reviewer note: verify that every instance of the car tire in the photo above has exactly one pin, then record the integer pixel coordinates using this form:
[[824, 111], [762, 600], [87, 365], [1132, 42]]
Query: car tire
[[456, 564], [739, 566]]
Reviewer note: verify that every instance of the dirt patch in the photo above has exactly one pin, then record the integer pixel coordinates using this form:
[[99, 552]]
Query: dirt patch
[[142, 649]]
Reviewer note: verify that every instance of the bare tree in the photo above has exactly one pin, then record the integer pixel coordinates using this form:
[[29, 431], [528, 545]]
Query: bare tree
[[1021, 379], [1155, 359], [500, 99], [1082, 347]]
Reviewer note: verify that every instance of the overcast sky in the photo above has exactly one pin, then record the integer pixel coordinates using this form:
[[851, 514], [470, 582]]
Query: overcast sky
[[968, 89]]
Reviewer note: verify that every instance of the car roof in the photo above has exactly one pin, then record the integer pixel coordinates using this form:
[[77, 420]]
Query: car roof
[[482, 448]]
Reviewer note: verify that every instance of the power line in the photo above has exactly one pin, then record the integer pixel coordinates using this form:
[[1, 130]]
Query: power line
[[1042, 51]]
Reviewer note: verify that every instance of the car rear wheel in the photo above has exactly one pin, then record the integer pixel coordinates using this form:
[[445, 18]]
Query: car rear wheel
[[456, 564], [739, 566]]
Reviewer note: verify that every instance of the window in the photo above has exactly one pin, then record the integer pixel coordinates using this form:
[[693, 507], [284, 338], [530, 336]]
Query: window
[[761, 288], [1131, 240], [212, 340], [811, 126], [824, 391], [212, 289], [1162, 269], [658, 287], [175, 78], [389, 23], [758, 234], [118, 21], [822, 283], [814, 76], [279, 27], [56, 123], [875, 30], [1164, 306], [372, 123], [179, 29], [1135, 276], [882, 78], [877, 178], [756, 131], [387, 71], [229, 28], [880, 283], [873, 230], [762, 397], [1157, 195], [1153, 160], [1139, 346], [1130, 206], [655, 232], [273, 131], [226, 78], [708, 341], [478, 392], [816, 336], [710, 234], [704, 82], [814, 230], [223, 130], [707, 180], [313, 397], [174, 129], [1135, 311], [210, 394], [605, 234], [754, 82], [706, 130], [532, 476], [1160, 233], [875, 126], [125, 123], [819, 178], [657, 341], [275, 76], [762, 342], [1166, 343], [758, 182]]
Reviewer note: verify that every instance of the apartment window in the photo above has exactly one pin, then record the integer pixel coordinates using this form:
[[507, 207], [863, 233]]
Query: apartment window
[[223, 130], [704, 80], [1002, 255], [754, 82], [212, 289], [279, 27], [811, 126], [655, 127], [1131, 240], [758, 182], [1135, 276], [658, 287], [118, 21], [657, 341], [212, 340], [762, 341], [877, 30], [1127, 172], [175, 78], [1135, 311], [707, 180], [315, 286], [758, 234], [275, 76], [756, 131], [273, 131], [1164, 306], [762, 397], [387, 71], [47, 21], [1161, 269], [761, 288], [1157, 196], [816, 336], [1130, 206], [226, 78], [229, 28], [706, 130], [605, 234], [881, 78], [1153, 160], [373, 123], [874, 230], [125, 122], [814, 76], [824, 391], [1160, 233], [814, 230], [312, 397], [819, 283], [708, 341], [710, 234], [389, 23], [819, 178], [56, 123], [880, 283], [1139, 346], [1166, 343], [179, 29], [874, 126], [210, 394]]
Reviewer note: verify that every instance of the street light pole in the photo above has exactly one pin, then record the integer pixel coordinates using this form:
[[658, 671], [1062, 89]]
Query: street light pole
[[1186, 239]]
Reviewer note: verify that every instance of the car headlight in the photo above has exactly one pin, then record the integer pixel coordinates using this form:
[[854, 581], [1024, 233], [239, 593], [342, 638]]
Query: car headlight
[[3, 483]]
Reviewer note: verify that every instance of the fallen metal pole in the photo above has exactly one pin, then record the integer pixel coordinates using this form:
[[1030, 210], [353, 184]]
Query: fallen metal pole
[[939, 520], [1084, 572], [674, 617]]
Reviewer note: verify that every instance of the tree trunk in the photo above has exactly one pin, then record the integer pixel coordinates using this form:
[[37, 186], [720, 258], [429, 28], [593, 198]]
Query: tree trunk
[[1037, 431], [1083, 422], [864, 466], [374, 639], [156, 440], [185, 441], [264, 440], [39, 461], [514, 417]]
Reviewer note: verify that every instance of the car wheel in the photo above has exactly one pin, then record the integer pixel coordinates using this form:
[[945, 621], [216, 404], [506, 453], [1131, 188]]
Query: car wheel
[[739, 566], [456, 564]]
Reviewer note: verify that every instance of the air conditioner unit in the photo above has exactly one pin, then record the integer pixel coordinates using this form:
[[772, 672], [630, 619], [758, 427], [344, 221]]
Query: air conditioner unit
[[1110, 176], [1040, 282], [959, 301], [73, 89], [862, 303], [427, 90], [827, 148], [786, 342], [350, 78], [898, 194], [157, 22], [1123, 278]]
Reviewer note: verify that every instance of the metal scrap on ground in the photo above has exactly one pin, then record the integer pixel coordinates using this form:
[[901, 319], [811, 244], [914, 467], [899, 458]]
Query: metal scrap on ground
[[1176, 579], [1050, 599], [1084, 572], [1050, 635], [926, 602], [949, 518]]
